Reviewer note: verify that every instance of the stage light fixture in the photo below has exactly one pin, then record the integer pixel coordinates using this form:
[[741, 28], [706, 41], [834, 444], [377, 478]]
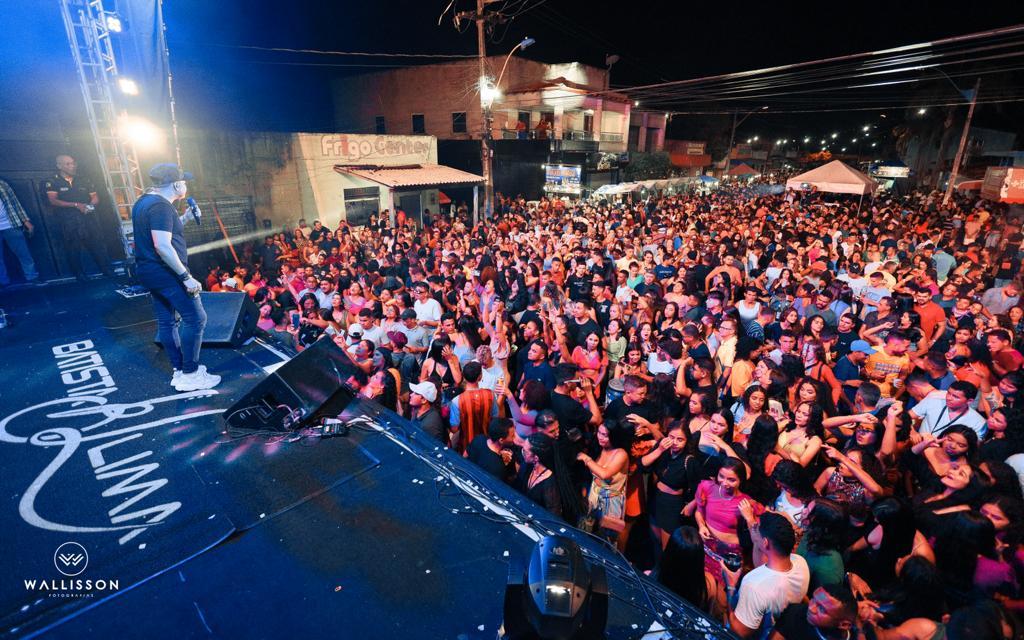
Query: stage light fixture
[[128, 86], [142, 133], [557, 594], [113, 22]]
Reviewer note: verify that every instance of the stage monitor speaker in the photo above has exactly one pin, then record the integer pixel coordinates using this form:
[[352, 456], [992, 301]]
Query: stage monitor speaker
[[308, 386], [231, 318]]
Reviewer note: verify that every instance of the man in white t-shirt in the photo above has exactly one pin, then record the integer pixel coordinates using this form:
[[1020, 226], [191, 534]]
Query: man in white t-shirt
[[428, 310], [938, 412], [782, 579]]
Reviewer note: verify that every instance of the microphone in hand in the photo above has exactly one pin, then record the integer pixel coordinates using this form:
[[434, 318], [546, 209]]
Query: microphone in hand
[[193, 208]]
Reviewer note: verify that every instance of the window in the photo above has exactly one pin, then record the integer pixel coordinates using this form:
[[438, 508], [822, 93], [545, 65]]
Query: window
[[360, 204], [417, 123], [380, 126], [459, 122]]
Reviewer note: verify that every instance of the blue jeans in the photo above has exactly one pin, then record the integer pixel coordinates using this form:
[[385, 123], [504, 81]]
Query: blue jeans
[[15, 241], [180, 320]]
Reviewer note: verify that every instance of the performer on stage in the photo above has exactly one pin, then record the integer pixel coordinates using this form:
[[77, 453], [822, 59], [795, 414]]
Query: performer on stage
[[161, 256]]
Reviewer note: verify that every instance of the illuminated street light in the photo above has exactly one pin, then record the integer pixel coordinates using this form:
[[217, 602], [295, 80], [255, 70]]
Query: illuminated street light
[[822, 142], [636, 103], [749, 140], [755, 138], [835, 135], [872, 144], [128, 86], [866, 127], [843, 149], [854, 140], [922, 111], [806, 140]]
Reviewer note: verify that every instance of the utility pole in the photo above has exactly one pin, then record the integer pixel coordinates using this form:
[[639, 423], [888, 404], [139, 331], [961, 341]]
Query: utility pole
[[728, 150], [485, 104], [963, 143]]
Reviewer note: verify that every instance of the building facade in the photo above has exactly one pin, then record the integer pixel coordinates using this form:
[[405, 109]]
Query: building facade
[[567, 106]]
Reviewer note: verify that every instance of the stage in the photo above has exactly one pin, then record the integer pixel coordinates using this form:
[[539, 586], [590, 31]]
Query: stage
[[185, 532]]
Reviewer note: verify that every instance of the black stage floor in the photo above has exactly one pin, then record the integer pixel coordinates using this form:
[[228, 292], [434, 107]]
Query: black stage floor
[[375, 535]]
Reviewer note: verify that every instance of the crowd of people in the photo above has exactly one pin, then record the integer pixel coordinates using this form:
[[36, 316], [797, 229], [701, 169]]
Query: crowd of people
[[801, 414]]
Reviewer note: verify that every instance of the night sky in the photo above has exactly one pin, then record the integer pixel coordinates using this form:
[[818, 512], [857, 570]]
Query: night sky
[[222, 86]]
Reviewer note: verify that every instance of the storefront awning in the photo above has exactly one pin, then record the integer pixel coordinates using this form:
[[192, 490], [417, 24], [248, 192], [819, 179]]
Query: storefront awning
[[442, 198], [418, 175]]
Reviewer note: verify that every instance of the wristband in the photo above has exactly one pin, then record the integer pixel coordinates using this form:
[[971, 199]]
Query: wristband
[[184, 276]]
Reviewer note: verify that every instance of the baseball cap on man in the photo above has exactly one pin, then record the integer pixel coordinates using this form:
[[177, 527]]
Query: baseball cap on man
[[862, 346], [166, 173], [426, 389]]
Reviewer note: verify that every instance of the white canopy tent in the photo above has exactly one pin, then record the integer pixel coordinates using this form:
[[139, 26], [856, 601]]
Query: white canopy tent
[[834, 177]]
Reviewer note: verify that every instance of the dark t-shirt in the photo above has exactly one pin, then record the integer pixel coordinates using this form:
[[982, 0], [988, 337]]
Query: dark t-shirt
[[792, 624], [80, 190], [432, 423], [579, 331], [154, 213], [491, 462], [618, 410], [571, 414]]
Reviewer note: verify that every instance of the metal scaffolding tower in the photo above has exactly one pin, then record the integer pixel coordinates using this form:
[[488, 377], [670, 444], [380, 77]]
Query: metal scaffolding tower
[[93, 52]]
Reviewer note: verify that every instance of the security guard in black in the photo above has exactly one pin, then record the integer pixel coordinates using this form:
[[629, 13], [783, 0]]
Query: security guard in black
[[73, 199]]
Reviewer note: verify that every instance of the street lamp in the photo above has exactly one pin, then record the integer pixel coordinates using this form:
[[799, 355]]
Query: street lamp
[[922, 111], [488, 94], [835, 135]]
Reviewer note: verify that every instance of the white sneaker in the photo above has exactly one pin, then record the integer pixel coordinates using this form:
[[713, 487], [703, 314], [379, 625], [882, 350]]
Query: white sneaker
[[178, 373], [196, 380]]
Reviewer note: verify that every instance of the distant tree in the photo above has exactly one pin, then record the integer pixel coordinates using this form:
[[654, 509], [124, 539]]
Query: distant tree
[[648, 166]]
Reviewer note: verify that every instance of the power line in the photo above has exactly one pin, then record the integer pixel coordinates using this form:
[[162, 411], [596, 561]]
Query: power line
[[323, 52]]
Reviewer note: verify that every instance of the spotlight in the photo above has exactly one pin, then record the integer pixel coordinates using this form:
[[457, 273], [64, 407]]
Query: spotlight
[[558, 595], [128, 86], [140, 132], [113, 22]]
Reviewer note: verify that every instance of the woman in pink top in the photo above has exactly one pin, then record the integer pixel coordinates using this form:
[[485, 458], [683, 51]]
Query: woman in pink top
[[590, 358], [716, 508]]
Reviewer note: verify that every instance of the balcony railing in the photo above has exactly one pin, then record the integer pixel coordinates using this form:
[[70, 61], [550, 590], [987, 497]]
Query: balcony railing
[[567, 134]]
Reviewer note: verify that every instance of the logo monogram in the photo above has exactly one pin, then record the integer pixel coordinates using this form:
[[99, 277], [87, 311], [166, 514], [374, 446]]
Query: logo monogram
[[71, 559]]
